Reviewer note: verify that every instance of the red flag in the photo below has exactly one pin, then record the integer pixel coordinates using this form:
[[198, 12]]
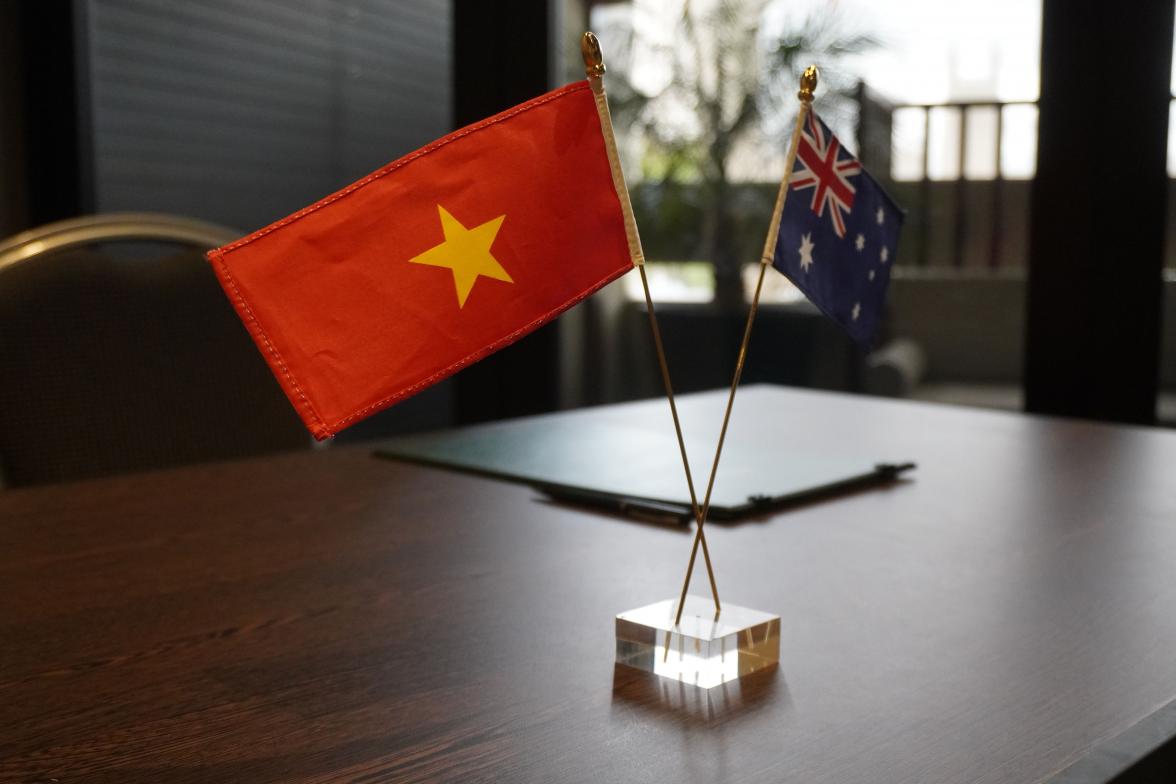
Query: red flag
[[432, 262]]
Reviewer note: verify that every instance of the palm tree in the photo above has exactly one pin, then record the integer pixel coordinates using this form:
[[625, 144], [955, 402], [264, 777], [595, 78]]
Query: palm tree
[[726, 85]]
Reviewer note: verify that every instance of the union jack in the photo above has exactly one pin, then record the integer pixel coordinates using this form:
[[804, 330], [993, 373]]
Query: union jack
[[820, 169]]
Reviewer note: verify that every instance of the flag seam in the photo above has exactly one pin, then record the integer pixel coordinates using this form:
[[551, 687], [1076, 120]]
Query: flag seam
[[320, 427], [403, 161], [636, 255]]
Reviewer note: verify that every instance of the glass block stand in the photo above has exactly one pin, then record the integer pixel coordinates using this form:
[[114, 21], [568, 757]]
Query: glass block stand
[[702, 650]]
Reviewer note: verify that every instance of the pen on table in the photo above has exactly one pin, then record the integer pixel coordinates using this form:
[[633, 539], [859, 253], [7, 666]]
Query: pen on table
[[634, 508]]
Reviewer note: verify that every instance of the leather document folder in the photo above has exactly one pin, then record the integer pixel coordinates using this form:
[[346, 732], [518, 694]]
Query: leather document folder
[[628, 460]]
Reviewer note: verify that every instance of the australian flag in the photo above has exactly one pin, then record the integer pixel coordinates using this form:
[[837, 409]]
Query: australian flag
[[838, 233]]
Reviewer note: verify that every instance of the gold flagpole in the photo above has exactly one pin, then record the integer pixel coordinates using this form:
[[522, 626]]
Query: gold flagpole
[[808, 84], [594, 67]]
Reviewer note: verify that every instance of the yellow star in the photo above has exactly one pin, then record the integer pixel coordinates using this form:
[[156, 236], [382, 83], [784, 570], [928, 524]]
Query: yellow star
[[466, 252]]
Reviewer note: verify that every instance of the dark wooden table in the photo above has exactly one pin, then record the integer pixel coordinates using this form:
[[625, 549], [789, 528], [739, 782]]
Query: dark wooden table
[[1007, 616]]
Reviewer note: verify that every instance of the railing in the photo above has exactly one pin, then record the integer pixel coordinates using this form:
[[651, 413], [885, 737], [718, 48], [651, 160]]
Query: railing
[[877, 142]]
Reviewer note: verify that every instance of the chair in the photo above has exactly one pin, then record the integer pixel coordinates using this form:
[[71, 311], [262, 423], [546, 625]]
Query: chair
[[119, 352]]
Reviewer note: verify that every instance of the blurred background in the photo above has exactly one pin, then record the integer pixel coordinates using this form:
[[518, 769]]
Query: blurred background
[[1022, 282]]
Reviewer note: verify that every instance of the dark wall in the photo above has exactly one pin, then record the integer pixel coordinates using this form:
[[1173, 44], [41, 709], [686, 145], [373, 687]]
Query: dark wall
[[233, 111], [42, 175], [241, 112], [13, 209], [1096, 241]]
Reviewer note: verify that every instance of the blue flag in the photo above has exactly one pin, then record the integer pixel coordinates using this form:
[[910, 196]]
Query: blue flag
[[838, 233]]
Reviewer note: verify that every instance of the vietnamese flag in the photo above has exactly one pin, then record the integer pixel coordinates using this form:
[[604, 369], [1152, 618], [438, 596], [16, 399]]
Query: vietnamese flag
[[434, 261]]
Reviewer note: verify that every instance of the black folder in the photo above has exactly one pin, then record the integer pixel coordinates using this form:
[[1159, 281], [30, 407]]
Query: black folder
[[636, 469]]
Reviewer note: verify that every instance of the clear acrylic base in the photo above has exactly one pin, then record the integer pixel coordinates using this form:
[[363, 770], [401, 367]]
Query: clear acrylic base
[[702, 650]]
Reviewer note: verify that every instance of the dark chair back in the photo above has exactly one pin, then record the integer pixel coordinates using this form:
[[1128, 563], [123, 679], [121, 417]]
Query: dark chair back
[[119, 352]]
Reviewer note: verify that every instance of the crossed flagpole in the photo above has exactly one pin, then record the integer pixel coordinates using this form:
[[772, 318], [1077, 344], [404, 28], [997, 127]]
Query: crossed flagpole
[[594, 67], [808, 85]]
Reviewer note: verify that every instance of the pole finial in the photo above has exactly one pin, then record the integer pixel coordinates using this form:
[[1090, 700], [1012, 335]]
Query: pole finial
[[808, 84], [593, 57]]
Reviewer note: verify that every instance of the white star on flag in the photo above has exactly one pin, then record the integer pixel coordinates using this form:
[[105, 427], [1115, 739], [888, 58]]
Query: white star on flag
[[871, 274], [885, 255], [857, 310], [806, 251], [860, 242], [881, 216]]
